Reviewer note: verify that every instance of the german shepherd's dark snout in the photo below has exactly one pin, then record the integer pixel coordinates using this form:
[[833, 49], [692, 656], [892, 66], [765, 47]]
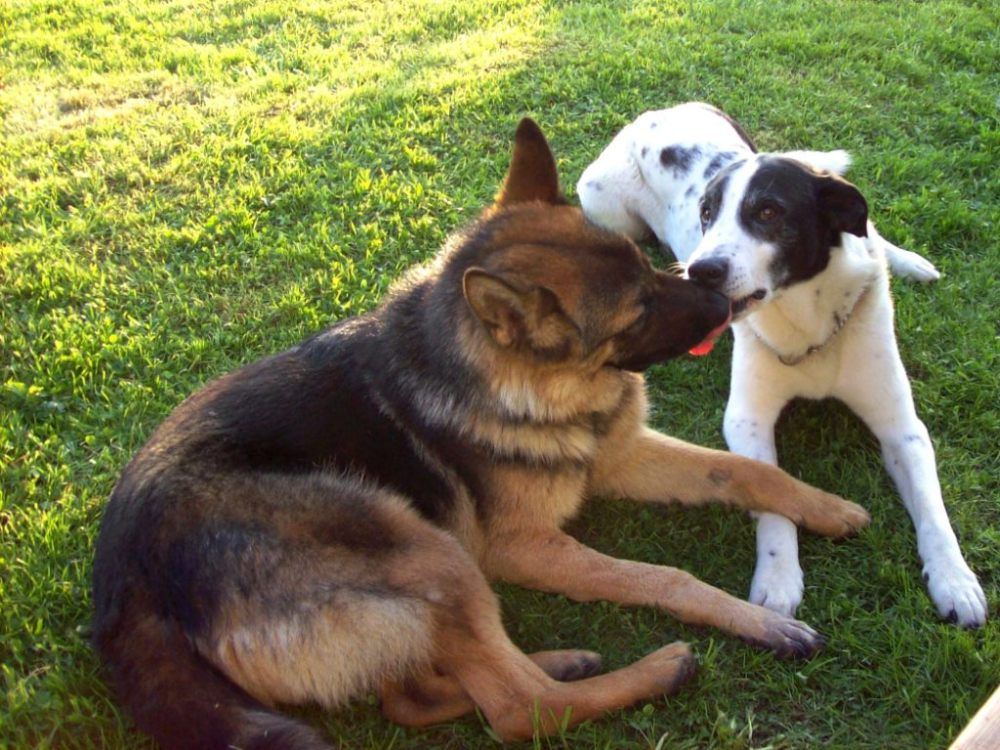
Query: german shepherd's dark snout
[[324, 522]]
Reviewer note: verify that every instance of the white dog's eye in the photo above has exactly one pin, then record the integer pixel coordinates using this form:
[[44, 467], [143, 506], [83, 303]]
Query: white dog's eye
[[768, 213], [706, 214]]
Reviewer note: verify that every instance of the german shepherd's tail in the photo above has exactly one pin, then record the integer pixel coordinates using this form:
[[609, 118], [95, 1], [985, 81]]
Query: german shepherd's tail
[[185, 703]]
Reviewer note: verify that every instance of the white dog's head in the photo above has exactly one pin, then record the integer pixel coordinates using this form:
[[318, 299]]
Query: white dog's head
[[771, 221]]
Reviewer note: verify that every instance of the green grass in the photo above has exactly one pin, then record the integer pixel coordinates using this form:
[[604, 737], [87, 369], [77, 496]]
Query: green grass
[[187, 186]]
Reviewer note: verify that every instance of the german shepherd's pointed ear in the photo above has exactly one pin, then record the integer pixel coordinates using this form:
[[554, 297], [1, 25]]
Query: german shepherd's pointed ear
[[532, 175], [511, 316], [843, 205]]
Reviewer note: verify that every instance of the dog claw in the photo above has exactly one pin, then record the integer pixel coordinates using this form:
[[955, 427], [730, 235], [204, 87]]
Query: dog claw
[[799, 641], [790, 639], [688, 668], [956, 593]]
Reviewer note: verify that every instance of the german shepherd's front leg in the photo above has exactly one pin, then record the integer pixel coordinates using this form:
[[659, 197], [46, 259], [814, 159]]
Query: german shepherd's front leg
[[550, 560], [647, 465]]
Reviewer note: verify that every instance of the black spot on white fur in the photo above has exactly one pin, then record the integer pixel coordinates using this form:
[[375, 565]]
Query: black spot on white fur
[[679, 159]]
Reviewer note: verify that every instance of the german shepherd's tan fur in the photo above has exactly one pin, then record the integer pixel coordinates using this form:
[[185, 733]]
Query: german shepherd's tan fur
[[325, 522]]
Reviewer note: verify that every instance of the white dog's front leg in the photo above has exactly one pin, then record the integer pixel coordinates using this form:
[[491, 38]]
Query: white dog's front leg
[[909, 458], [777, 581]]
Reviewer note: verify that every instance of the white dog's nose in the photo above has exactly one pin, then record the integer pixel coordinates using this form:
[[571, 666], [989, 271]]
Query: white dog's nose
[[710, 272]]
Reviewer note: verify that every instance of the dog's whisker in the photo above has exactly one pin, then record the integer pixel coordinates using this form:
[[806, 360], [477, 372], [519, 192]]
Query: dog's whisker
[[676, 268]]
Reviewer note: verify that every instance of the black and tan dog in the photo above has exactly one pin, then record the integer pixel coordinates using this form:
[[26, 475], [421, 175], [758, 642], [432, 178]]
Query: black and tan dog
[[325, 522]]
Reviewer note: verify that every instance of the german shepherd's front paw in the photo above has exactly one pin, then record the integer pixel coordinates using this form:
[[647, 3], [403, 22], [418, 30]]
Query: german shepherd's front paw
[[832, 516], [786, 637]]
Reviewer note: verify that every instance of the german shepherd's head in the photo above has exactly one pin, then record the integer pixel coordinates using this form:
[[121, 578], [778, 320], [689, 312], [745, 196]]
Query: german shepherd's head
[[550, 288]]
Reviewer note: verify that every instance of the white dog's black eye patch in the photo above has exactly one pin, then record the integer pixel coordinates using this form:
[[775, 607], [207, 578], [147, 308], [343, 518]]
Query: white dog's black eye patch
[[718, 161], [802, 224], [715, 191]]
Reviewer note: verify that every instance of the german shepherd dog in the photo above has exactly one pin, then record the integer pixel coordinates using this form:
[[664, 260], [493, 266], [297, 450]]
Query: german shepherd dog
[[326, 521]]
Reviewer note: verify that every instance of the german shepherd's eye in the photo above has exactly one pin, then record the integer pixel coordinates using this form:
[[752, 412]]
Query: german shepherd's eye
[[646, 303], [768, 214]]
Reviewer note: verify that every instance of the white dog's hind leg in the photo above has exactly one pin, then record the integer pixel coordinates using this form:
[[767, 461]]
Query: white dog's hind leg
[[777, 581], [905, 263], [607, 209]]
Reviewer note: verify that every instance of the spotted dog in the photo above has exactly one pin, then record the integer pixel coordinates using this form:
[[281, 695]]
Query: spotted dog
[[788, 240]]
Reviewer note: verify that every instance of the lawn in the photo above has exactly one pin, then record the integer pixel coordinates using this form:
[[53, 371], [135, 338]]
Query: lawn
[[186, 186]]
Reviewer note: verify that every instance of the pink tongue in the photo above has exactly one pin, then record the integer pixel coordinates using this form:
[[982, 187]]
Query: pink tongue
[[703, 348], [706, 346]]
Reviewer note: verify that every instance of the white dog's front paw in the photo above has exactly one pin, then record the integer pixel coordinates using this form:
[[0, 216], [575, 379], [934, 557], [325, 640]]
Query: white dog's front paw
[[909, 265], [956, 593], [777, 585]]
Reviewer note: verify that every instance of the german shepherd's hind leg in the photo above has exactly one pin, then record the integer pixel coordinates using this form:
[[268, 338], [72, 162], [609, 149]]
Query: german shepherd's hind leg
[[326, 602], [514, 692], [432, 697], [146, 655], [336, 593], [520, 700], [370, 593]]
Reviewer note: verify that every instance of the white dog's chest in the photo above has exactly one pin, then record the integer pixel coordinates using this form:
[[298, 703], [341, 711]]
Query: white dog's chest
[[803, 350]]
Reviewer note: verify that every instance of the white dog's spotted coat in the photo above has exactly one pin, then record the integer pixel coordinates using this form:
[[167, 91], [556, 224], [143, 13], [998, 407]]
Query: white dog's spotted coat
[[788, 241]]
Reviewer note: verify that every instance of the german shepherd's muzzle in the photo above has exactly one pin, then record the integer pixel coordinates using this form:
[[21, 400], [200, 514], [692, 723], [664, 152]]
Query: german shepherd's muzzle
[[325, 521]]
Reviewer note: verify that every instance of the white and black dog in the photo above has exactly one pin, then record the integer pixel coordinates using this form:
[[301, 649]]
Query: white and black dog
[[788, 240]]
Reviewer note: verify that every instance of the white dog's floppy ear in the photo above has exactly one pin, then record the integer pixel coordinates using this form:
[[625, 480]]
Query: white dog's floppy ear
[[836, 162], [607, 185], [843, 205]]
